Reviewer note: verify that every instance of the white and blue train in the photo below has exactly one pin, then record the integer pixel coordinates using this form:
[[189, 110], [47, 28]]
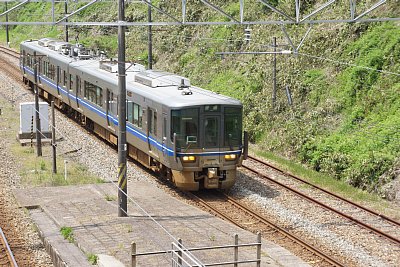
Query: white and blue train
[[190, 135]]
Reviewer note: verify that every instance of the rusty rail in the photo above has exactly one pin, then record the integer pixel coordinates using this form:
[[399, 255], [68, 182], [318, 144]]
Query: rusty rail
[[377, 231]]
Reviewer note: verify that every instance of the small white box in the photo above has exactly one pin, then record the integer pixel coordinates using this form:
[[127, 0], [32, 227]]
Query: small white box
[[27, 112]]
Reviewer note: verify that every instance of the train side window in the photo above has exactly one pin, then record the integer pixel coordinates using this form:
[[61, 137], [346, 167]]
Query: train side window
[[110, 103], [28, 60], [150, 120], [65, 78], [129, 112], [71, 82], [78, 85], [23, 58], [99, 96], [165, 126], [155, 122], [40, 68], [52, 72], [137, 115], [46, 68], [93, 93]]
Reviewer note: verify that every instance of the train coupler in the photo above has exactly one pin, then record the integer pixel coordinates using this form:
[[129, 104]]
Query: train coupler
[[212, 179]]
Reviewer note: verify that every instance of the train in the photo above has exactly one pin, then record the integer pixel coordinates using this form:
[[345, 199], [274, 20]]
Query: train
[[191, 136]]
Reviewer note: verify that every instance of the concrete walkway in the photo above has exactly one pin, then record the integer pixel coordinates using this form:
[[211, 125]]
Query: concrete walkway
[[91, 212]]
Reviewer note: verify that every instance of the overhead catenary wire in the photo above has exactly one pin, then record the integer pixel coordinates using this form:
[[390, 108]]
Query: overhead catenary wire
[[293, 53]]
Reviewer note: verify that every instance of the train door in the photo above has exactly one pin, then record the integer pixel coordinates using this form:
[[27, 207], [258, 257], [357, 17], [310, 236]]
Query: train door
[[108, 106], [58, 79], [23, 59], [77, 90], [164, 134], [212, 126], [149, 126]]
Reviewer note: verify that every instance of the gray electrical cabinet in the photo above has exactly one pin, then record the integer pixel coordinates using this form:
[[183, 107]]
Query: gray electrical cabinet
[[27, 124]]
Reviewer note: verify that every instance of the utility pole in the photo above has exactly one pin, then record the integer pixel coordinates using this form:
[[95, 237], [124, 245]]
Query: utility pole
[[53, 137], [7, 33], [36, 89], [150, 39], [274, 72], [66, 26], [122, 146]]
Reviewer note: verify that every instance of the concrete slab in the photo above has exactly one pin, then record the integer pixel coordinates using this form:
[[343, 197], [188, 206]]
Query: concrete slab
[[91, 211], [108, 261]]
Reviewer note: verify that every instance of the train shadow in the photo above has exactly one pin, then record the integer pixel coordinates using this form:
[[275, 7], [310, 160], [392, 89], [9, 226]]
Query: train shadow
[[249, 186]]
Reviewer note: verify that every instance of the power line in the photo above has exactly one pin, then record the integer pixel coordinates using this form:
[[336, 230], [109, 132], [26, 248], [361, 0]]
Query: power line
[[348, 64]]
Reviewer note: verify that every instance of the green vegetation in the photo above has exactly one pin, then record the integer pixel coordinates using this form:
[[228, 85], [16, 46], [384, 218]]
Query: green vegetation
[[344, 121], [366, 143], [92, 258], [110, 197], [38, 171], [67, 233]]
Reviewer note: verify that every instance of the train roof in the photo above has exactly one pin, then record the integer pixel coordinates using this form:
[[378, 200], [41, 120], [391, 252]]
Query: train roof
[[169, 89]]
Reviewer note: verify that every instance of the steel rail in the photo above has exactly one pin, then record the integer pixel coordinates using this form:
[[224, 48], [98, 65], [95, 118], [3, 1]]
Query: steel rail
[[10, 255], [377, 231], [9, 52], [326, 191], [262, 219]]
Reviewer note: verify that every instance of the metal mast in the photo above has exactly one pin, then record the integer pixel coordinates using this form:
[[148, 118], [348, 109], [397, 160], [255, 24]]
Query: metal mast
[[122, 146], [150, 40]]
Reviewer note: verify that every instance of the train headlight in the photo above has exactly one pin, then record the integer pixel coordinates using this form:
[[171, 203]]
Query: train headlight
[[189, 158], [230, 157]]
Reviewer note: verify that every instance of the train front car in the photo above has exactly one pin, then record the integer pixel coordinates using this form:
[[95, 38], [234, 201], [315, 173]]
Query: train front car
[[207, 142]]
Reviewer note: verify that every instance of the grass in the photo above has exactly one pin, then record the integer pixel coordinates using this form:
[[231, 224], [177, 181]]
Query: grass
[[37, 171], [331, 184], [92, 258], [67, 233], [110, 197]]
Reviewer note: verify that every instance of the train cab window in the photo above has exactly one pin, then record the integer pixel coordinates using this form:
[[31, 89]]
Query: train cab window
[[232, 126], [211, 132], [185, 124]]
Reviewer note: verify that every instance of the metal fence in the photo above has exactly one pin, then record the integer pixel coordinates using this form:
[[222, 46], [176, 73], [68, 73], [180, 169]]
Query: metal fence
[[183, 257]]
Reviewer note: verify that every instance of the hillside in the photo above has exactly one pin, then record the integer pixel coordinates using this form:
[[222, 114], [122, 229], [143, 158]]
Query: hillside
[[345, 116]]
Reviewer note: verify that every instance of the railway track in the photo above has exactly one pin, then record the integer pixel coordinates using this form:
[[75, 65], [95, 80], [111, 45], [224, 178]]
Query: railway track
[[9, 52], [233, 211], [377, 223], [6, 255], [12, 70]]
